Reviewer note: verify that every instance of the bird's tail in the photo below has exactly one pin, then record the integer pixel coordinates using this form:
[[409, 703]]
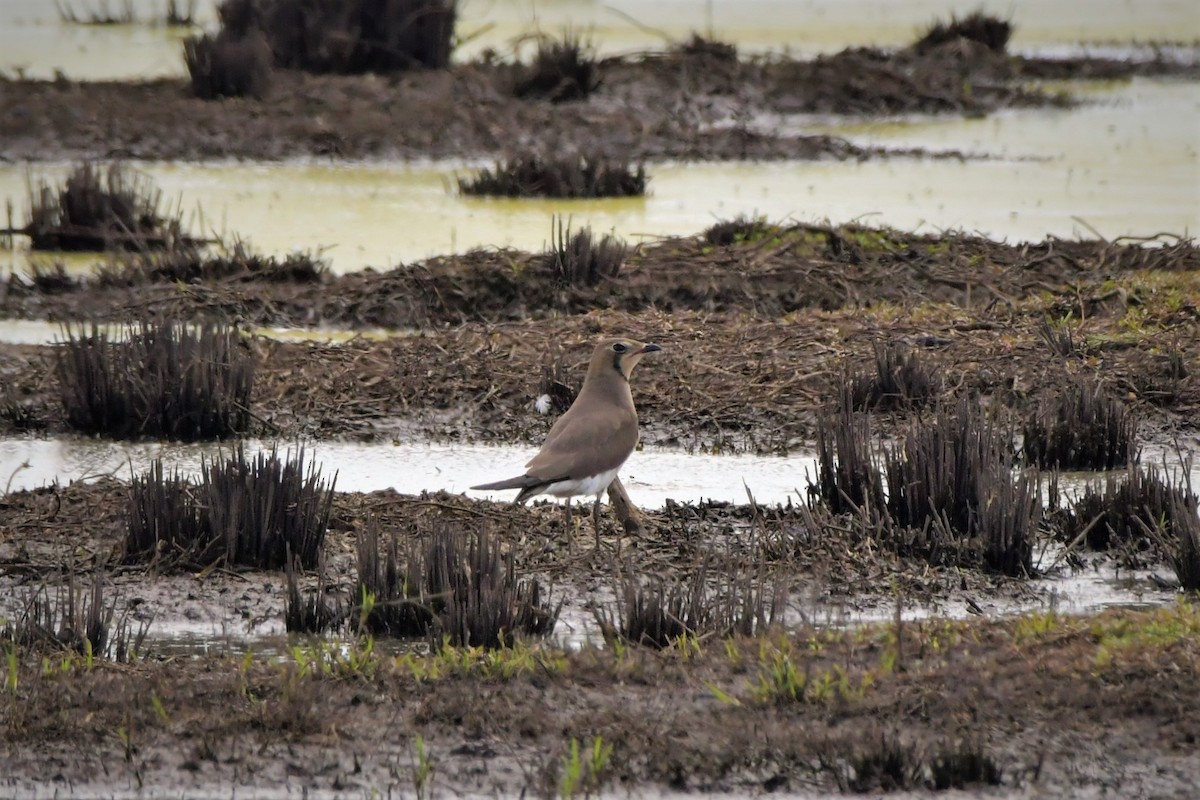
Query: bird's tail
[[519, 482]]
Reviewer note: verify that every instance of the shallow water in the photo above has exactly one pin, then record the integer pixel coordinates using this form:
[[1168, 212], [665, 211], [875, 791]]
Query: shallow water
[[192, 626], [651, 475], [44, 332], [33, 38], [1127, 165], [221, 630], [180, 625]]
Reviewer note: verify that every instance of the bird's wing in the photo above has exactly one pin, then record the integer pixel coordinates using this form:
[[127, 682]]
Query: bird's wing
[[578, 446]]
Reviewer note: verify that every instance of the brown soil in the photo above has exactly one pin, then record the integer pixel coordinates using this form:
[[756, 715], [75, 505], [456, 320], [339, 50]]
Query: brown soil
[[681, 105], [788, 314], [758, 339], [85, 524], [1054, 704]]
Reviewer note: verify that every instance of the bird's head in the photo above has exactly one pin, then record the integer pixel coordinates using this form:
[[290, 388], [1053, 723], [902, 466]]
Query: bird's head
[[621, 355]]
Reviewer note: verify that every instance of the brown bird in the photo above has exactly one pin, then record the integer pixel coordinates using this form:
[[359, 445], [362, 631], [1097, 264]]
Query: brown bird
[[589, 443]]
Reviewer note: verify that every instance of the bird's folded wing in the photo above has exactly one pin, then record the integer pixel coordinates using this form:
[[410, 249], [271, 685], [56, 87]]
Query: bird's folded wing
[[586, 447]]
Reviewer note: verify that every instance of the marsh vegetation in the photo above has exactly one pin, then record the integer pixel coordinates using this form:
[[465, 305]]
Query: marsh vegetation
[[946, 380]]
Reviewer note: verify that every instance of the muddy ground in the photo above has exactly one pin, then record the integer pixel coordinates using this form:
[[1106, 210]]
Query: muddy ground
[[1077, 708], [791, 313], [690, 103], [1040, 705], [758, 334]]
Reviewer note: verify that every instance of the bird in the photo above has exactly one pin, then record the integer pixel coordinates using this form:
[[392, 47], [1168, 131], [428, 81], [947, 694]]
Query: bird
[[588, 444]]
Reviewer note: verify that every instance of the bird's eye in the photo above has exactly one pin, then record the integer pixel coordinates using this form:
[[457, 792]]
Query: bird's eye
[[619, 348]]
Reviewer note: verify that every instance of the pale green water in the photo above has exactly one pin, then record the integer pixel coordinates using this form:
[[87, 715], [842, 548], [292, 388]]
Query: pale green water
[[33, 39], [1129, 164]]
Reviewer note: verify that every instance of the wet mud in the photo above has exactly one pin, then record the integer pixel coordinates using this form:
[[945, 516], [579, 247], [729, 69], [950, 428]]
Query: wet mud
[[1040, 703], [1043, 703], [794, 314], [686, 104], [761, 331], [983, 690], [298, 714]]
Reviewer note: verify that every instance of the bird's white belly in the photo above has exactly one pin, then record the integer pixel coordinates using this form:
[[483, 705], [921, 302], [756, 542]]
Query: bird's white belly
[[594, 485]]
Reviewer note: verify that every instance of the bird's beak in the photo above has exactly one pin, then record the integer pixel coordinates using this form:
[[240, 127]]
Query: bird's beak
[[650, 348]]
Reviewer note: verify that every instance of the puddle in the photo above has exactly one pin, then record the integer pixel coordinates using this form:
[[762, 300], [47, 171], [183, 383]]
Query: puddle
[[35, 41], [651, 475], [33, 38], [195, 616], [1091, 590], [182, 624], [1128, 165]]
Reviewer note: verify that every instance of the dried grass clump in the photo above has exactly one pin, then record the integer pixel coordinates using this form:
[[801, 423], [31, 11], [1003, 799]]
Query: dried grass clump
[[580, 260], [20, 413], [257, 513], [390, 601], [176, 13], [166, 379], [1123, 513], [192, 265], [52, 278], [1081, 428], [951, 479], [741, 228], [458, 590], [963, 764], [891, 764], [99, 209], [707, 47], [100, 13], [952, 498], [659, 613], [888, 766], [558, 176], [349, 36], [228, 66], [77, 619], [901, 380], [268, 509], [1183, 548], [310, 612], [181, 13], [848, 477], [1057, 337], [992, 32], [563, 69]]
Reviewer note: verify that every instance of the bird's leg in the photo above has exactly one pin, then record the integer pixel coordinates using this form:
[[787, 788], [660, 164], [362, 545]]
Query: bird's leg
[[596, 520], [567, 520]]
